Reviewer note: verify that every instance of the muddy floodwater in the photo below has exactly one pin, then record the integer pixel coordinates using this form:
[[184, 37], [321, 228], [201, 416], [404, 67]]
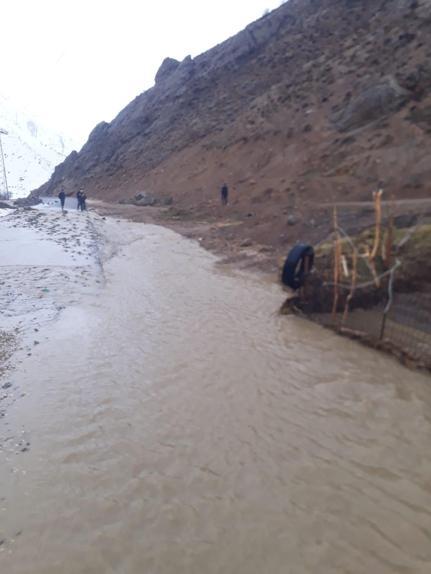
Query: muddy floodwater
[[169, 421]]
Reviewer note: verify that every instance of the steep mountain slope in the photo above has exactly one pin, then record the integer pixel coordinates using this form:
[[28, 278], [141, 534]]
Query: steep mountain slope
[[318, 100], [31, 152]]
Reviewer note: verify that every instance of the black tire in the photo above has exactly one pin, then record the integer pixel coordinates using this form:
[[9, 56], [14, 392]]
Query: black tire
[[298, 264]]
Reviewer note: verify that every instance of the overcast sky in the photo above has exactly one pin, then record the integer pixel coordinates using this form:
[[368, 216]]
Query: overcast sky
[[74, 63]]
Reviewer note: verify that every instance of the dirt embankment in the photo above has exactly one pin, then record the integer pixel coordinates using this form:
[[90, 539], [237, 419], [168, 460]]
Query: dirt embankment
[[316, 102], [239, 242]]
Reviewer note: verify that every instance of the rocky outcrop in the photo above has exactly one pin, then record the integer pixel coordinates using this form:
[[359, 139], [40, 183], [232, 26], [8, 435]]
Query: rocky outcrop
[[168, 67]]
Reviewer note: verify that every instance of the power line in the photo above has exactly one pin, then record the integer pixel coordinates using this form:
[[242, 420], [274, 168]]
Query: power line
[[4, 189]]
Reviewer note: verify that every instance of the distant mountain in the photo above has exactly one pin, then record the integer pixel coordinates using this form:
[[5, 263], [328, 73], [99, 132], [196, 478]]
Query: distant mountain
[[31, 151]]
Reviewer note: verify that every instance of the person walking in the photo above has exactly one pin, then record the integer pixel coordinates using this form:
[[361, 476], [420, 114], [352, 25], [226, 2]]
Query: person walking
[[62, 198], [224, 193], [83, 201], [78, 199]]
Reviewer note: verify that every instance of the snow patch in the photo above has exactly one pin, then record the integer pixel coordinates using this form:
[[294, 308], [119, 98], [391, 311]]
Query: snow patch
[[31, 152]]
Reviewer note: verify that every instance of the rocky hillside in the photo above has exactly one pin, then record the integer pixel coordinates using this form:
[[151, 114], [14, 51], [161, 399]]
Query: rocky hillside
[[318, 100]]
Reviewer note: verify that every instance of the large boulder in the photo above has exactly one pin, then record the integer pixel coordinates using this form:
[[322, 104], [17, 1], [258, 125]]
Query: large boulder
[[374, 102], [144, 199]]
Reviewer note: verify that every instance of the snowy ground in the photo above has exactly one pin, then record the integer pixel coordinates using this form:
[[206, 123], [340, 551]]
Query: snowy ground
[[48, 260]]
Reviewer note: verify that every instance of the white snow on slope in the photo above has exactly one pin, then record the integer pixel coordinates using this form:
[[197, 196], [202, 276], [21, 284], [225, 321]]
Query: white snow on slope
[[31, 152]]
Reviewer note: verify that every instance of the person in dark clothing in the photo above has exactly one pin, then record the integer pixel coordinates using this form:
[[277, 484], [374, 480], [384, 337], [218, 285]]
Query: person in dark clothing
[[83, 200], [224, 192], [79, 200], [62, 198]]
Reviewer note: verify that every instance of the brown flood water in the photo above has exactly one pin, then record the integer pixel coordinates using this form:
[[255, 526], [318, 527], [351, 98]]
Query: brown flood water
[[178, 425]]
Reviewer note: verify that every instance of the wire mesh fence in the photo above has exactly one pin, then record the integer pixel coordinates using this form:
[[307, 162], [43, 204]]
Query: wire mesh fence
[[404, 330], [375, 285]]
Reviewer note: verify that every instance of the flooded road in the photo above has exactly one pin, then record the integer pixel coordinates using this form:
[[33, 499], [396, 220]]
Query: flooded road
[[172, 422]]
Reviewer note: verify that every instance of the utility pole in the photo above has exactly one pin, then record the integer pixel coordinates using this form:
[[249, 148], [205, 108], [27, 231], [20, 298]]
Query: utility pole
[[4, 190]]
